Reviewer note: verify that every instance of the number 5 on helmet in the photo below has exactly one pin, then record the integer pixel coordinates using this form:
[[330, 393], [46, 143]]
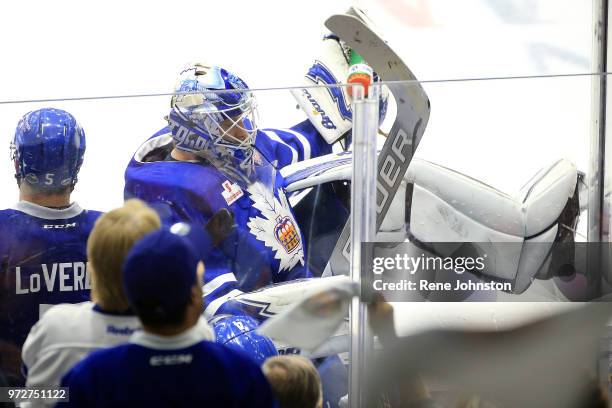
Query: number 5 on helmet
[[48, 150]]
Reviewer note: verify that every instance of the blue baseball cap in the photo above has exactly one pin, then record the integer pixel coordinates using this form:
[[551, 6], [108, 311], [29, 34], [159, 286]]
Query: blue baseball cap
[[161, 268]]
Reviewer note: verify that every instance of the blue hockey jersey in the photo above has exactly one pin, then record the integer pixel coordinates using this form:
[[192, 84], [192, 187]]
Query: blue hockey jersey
[[267, 245], [43, 261], [177, 371]]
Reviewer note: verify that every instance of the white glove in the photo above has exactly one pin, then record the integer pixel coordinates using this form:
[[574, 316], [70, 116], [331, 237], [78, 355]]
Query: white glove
[[327, 108]]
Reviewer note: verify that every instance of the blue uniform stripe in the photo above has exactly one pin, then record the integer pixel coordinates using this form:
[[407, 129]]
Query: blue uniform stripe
[[274, 136], [314, 170]]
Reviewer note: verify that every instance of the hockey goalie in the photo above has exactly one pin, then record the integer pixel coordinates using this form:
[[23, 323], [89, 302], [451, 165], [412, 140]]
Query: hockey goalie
[[212, 165]]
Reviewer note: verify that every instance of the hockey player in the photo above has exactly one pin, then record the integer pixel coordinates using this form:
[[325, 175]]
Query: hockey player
[[206, 161], [43, 237], [213, 157]]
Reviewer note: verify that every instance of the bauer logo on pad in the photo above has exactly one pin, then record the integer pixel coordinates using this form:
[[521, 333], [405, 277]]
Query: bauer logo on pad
[[231, 192]]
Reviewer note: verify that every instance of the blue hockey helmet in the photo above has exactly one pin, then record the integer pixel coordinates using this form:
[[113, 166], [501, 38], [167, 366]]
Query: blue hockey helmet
[[48, 149], [238, 333], [213, 115]]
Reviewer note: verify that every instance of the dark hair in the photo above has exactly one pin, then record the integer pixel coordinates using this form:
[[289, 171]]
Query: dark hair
[[151, 313]]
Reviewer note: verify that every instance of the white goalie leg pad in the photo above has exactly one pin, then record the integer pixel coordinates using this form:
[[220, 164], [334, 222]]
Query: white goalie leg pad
[[327, 108]]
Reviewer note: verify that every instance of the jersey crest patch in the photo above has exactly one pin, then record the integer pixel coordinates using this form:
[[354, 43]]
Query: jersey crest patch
[[231, 192], [286, 234], [275, 226]]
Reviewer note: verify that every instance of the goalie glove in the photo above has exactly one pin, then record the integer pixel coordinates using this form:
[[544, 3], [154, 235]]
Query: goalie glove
[[328, 108]]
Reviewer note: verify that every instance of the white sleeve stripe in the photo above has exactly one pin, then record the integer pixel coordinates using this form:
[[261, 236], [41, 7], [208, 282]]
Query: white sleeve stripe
[[217, 282], [305, 143], [272, 135], [212, 308], [222, 290]]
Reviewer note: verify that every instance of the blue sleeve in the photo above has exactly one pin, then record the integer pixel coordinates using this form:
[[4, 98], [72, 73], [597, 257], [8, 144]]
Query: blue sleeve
[[220, 283], [75, 380], [318, 145], [287, 146], [255, 391], [260, 393], [237, 265]]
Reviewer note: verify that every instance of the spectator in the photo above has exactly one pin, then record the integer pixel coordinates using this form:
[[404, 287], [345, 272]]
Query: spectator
[[381, 319], [295, 381], [501, 367], [169, 362], [43, 246], [411, 391], [68, 332]]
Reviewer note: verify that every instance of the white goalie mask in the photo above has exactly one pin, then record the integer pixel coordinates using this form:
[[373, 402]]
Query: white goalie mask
[[214, 115]]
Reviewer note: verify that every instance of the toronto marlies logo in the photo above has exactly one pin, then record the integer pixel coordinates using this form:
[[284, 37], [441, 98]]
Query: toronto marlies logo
[[275, 226], [286, 233]]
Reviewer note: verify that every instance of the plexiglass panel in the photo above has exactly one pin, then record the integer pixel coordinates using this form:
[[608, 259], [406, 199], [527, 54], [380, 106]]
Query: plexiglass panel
[[493, 211], [496, 137], [507, 167], [267, 205]]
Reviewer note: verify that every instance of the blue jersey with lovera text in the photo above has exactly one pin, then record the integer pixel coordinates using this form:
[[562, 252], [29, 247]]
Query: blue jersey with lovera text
[[266, 246], [43, 262]]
